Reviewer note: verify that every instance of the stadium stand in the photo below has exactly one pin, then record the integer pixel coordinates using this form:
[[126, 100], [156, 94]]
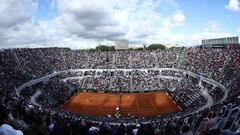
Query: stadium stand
[[121, 72]]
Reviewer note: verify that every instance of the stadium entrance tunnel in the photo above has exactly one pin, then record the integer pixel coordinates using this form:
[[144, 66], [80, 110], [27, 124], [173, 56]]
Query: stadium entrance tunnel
[[131, 104]]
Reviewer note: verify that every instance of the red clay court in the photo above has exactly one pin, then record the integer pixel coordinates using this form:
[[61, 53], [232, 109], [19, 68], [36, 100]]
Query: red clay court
[[137, 104]]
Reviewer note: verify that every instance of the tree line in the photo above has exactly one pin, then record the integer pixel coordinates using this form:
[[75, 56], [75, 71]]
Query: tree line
[[112, 48]]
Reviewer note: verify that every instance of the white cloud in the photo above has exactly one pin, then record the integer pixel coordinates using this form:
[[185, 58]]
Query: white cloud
[[211, 27], [178, 19], [42, 34], [211, 30], [130, 19], [81, 23], [233, 5], [89, 19], [238, 29], [84, 24], [13, 12], [188, 39]]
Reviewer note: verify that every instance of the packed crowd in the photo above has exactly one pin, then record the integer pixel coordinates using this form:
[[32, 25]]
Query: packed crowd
[[187, 94], [212, 63], [18, 66]]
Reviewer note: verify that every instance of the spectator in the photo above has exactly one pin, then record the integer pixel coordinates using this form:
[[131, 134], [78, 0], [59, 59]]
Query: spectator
[[6, 128]]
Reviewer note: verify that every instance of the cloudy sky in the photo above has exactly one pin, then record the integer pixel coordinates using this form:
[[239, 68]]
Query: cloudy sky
[[87, 23]]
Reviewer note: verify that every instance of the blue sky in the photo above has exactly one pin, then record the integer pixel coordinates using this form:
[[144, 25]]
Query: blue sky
[[200, 13], [45, 11], [85, 24]]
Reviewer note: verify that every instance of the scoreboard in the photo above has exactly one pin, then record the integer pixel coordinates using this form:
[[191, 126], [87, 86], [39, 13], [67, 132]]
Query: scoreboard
[[121, 45], [220, 42]]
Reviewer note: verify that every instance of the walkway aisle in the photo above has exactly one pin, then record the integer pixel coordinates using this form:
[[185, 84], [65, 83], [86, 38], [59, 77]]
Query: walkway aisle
[[33, 98], [204, 92]]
